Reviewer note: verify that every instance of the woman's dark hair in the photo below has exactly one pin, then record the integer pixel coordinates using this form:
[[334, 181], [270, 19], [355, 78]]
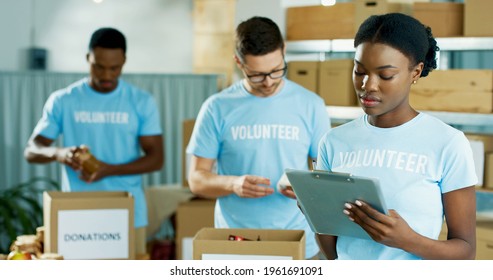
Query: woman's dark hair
[[403, 33], [107, 37], [257, 36]]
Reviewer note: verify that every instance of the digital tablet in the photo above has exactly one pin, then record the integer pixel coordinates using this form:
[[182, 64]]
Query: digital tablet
[[322, 194]]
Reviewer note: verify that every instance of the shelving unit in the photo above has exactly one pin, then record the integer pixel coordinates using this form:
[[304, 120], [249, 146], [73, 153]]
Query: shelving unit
[[323, 48], [467, 122], [346, 45]]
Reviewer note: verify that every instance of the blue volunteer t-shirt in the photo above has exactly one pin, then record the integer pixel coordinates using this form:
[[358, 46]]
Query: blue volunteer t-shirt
[[110, 125], [261, 136], [415, 163]]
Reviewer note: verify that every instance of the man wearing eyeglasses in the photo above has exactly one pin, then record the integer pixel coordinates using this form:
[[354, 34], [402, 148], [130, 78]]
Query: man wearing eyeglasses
[[254, 130]]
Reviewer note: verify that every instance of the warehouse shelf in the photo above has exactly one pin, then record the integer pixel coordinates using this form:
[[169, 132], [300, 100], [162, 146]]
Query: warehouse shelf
[[346, 45], [467, 122]]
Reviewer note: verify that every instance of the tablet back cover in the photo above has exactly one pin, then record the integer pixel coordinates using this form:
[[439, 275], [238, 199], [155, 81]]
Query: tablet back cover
[[322, 194]]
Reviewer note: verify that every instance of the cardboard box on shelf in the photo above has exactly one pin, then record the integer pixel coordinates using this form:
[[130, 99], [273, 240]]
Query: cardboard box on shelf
[[478, 153], [191, 216], [485, 176], [445, 19], [366, 8], [488, 170], [320, 22], [486, 139], [304, 73], [89, 225], [187, 133], [211, 243], [335, 83], [477, 18], [457, 90]]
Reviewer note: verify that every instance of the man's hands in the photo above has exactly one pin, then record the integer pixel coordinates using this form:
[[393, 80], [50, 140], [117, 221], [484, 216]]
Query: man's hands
[[251, 186], [79, 159], [66, 156]]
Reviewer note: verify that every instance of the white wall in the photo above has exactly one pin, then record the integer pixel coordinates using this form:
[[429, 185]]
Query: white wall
[[159, 32]]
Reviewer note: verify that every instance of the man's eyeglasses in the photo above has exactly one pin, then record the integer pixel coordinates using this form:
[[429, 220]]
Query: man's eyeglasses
[[276, 74]]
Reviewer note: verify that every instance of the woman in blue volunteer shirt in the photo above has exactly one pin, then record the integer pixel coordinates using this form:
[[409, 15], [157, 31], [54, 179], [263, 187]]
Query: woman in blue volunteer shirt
[[425, 167]]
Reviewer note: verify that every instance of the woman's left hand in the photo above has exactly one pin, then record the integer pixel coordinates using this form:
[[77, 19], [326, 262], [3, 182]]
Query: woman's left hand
[[288, 191], [391, 230]]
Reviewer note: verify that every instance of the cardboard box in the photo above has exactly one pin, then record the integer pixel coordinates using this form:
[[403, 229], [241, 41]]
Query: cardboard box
[[304, 73], [211, 243], [486, 139], [335, 82], [477, 18], [320, 22], [89, 225], [366, 8], [477, 148], [192, 216], [186, 135], [488, 171], [458, 90], [485, 176], [445, 19]]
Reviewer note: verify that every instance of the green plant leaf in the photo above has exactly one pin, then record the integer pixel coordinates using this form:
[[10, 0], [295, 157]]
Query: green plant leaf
[[35, 211], [8, 224], [21, 209], [22, 216]]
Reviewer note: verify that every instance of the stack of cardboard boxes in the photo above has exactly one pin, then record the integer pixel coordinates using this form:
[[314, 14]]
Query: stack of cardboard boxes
[[450, 90]]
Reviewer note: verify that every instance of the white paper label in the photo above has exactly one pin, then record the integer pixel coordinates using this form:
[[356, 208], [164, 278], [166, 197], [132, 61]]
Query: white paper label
[[93, 234], [187, 248]]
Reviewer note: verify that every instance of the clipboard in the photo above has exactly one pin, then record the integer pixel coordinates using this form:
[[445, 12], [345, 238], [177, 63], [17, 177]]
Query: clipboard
[[322, 194]]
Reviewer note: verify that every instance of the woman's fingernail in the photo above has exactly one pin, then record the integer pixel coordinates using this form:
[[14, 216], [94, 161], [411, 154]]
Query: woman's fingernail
[[351, 219], [357, 202], [345, 212], [347, 205]]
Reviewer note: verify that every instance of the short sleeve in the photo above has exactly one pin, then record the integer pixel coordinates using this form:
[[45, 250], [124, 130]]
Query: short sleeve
[[323, 155], [205, 141], [49, 125], [458, 169], [150, 120], [321, 124]]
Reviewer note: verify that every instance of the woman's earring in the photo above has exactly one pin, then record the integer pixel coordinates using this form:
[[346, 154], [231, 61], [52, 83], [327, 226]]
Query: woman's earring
[[414, 82]]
